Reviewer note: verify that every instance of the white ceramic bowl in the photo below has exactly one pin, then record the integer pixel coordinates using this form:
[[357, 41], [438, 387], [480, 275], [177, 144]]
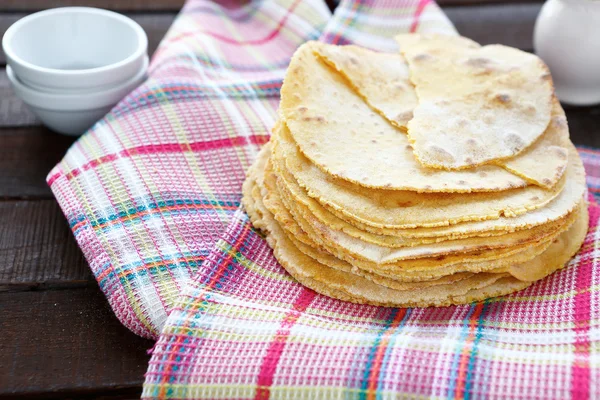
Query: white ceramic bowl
[[74, 113], [75, 49]]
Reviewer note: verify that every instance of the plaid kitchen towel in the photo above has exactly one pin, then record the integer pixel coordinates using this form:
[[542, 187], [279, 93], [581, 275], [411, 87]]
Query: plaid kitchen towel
[[245, 329]]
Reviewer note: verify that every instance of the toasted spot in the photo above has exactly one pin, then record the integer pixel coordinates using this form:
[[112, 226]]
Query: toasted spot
[[482, 174], [317, 118], [546, 181], [373, 141], [302, 110], [469, 160], [354, 61], [404, 116], [478, 61], [422, 57], [408, 147], [502, 98], [530, 109], [546, 77], [462, 122], [560, 152], [559, 122], [513, 141], [440, 154], [461, 182], [534, 198]]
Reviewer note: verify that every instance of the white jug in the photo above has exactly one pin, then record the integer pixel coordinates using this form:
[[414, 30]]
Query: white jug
[[567, 38]]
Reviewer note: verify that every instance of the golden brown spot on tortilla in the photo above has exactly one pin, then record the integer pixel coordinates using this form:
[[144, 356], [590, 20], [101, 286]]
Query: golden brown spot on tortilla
[[422, 57], [478, 61], [503, 98], [404, 116], [514, 141]]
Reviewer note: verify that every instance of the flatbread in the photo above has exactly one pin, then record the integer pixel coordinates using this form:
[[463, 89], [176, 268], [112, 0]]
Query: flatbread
[[355, 288], [351, 249], [476, 104], [266, 201], [405, 270], [545, 161], [341, 135], [381, 79], [404, 209], [558, 254], [311, 272], [332, 282]]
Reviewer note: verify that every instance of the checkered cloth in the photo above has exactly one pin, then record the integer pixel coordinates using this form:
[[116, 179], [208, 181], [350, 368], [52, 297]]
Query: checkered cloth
[[152, 194]]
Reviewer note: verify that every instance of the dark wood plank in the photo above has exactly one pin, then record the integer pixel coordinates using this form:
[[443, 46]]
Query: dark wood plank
[[37, 248], [13, 112], [583, 125], [155, 25], [120, 5], [67, 344], [26, 157], [508, 24], [458, 3]]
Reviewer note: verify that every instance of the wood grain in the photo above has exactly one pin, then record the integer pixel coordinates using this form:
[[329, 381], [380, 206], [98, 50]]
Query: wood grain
[[37, 248], [119, 5], [65, 344], [155, 26], [26, 156], [13, 112]]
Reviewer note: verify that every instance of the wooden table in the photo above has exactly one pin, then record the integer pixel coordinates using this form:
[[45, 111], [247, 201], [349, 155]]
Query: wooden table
[[58, 337]]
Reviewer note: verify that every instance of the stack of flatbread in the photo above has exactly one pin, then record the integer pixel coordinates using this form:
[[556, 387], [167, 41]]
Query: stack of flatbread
[[439, 175]]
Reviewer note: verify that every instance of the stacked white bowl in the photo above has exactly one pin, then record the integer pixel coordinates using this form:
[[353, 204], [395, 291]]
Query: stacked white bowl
[[71, 65]]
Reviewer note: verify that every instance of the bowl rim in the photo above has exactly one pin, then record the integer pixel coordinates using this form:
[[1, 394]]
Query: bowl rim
[[39, 97], [14, 29]]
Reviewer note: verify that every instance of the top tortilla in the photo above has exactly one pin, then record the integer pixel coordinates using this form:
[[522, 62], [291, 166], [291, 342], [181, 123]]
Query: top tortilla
[[339, 133], [476, 104], [381, 79]]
